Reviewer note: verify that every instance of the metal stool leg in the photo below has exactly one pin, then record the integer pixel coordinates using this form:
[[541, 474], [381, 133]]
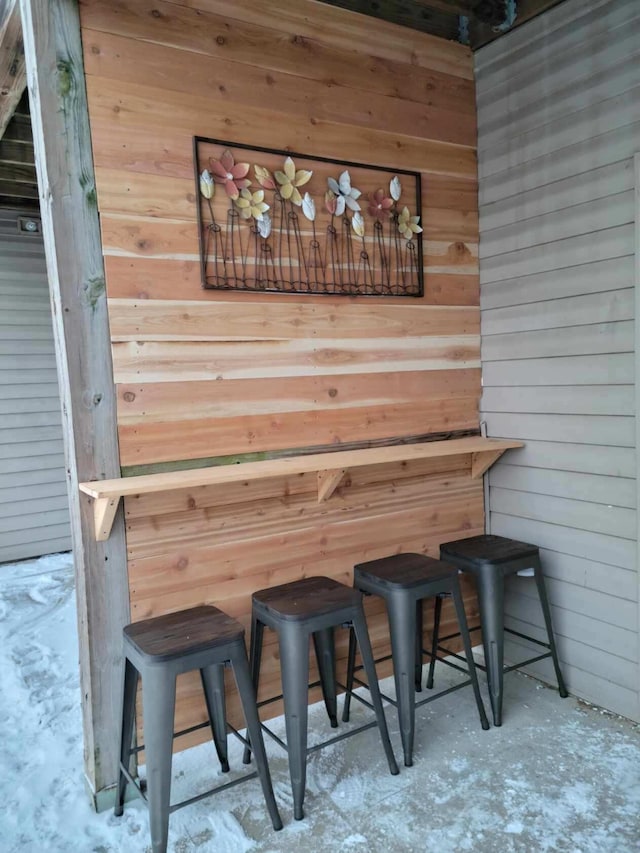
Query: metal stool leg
[[419, 642], [158, 702], [294, 665], [402, 627], [362, 636], [249, 707], [466, 640], [437, 611], [213, 686], [126, 732], [351, 665], [255, 656], [491, 604], [324, 644], [546, 610]]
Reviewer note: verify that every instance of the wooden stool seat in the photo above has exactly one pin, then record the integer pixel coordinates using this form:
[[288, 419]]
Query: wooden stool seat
[[306, 598], [488, 550], [183, 633], [405, 570]]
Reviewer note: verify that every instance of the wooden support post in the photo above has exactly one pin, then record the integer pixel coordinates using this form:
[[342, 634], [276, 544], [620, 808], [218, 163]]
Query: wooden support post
[[62, 143], [328, 482], [12, 68]]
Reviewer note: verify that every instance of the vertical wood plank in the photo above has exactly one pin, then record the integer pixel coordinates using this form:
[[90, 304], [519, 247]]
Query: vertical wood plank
[[55, 78]]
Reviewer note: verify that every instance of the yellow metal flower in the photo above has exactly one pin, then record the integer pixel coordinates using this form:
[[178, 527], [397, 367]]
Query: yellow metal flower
[[251, 204], [291, 179], [408, 224]]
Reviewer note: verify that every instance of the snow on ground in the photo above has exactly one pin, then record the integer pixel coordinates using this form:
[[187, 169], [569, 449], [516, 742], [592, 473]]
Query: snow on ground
[[558, 777]]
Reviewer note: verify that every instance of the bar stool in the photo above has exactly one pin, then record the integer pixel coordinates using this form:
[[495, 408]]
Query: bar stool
[[491, 559], [404, 581], [312, 606], [157, 650]]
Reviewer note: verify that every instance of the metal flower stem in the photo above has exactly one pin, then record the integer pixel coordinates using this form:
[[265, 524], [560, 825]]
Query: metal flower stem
[[351, 267], [315, 260], [253, 232], [281, 210], [366, 264], [214, 256], [334, 263], [230, 242], [288, 235], [412, 262], [269, 265], [399, 278], [403, 275], [214, 229], [299, 247], [385, 280]]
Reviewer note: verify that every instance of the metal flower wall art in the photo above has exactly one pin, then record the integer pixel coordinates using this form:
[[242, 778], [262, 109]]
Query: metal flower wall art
[[276, 221]]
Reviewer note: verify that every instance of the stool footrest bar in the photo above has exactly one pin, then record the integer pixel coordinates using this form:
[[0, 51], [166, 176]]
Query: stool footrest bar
[[245, 778], [527, 638]]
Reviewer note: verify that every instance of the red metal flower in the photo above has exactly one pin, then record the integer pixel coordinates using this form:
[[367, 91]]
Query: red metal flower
[[380, 205], [233, 175]]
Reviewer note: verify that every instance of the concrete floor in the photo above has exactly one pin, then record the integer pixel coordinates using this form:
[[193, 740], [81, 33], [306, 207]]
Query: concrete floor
[[557, 776]]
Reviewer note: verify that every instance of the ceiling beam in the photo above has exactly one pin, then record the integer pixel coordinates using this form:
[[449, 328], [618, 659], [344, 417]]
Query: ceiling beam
[[449, 7], [408, 13], [481, 33], [13, 79]]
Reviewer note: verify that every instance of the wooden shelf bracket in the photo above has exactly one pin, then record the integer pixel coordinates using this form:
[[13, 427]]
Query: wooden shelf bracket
[[481, 462], [328, 482], [104, 512]]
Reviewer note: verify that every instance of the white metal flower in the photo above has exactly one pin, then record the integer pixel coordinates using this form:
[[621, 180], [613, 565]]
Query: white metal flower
[[309, 207], [357, 223], [395, 188], [264, 225], [207, 186], [343, 190]]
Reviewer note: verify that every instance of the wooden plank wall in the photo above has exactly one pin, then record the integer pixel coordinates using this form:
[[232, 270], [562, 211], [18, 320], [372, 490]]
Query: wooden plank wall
[[205, 374], [558, 115]]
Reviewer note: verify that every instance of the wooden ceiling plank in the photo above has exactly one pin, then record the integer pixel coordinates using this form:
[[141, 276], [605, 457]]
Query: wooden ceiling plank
[[13, 78], [18, 153], [10, 189]]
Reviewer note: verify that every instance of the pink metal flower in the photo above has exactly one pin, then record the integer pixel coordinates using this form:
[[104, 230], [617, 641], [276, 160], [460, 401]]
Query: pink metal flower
[[233, 175], [380, 205]]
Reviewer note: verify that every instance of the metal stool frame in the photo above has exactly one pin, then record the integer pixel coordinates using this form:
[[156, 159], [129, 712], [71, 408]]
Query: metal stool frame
[[490, 572], [158, 673], [293, 637], [404, 598]]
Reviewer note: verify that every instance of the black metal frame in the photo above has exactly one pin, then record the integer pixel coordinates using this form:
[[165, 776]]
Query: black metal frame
[[312, 285]]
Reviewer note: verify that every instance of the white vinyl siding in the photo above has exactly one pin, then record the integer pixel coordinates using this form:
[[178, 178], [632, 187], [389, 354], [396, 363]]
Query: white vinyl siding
[[559, 124], [34, 515]]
